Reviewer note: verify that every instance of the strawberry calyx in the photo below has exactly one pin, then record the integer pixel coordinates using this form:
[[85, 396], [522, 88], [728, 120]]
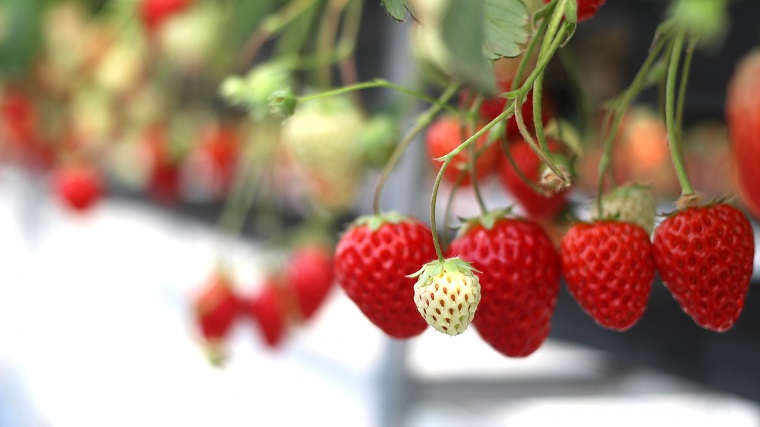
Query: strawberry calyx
[[374, 222], [486, 220], [434, 268]]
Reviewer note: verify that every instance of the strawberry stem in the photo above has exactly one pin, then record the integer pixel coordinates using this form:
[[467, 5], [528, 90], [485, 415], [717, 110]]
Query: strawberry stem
[[447, 160], [422, 122], [326, 38], [378, 83], [673, 127], [474, 154], [618, 107]]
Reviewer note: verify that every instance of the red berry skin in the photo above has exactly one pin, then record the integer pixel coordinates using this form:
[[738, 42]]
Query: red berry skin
[[164, 183], [371, 267], [586, 8], [155, 12], [268, 309], [705, 258], [536, 205], [309, 273], [609, 268], [444, 135], [78, 187], [743, 119], [216, 309], [519, 279]]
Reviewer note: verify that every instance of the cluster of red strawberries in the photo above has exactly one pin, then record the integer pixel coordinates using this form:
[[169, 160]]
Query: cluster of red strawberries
[[704, 255], [282, 301]]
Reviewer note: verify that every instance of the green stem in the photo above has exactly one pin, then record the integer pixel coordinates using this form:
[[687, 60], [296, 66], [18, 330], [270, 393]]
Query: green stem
[[615, 114], [684, 82], [422, 122], [670, 119], [520, 174], [378, 83], [474, 154], [326, 38], [528, 54], [349, 33], [556, 19], [447, 160], [273, 24]]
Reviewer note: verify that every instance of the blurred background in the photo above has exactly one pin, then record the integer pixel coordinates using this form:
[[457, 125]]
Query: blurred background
[[127, 179]]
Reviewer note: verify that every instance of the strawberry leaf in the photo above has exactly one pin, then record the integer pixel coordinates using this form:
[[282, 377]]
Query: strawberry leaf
[[395, 8], [504, 27], [463, 35]]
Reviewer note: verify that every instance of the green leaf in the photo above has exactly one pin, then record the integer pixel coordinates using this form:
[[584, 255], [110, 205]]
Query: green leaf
[[395, 8], [20, 35], [504, 27], [462, 29]]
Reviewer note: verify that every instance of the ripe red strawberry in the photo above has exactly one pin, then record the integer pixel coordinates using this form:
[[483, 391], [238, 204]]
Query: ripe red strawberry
[[268, 308], [164, 181], [705, 258], [536, 205], [492, 107], [216, 309], [444, 135], [743, 117], [211, 167], [154, 12], [609, 269], [519, 278], [586, 8], [309, 274], [372, 261], [78, 187]]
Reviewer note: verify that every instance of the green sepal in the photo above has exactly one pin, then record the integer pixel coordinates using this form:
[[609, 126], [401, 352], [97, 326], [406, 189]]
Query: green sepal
[[374, 222], [432, 269]]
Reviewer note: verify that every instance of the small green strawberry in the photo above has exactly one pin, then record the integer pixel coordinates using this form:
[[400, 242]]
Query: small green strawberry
[[631, 203], [447, 293]]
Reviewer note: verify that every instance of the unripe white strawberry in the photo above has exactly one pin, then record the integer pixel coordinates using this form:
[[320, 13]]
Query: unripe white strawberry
[[630, 203], [447, 293], [321, 139]]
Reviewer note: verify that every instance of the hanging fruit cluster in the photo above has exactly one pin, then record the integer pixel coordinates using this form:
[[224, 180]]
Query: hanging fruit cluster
[[127, 94]]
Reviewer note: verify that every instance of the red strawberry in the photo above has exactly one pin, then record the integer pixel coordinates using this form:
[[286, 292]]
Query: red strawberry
[[743, 116], [444, 135], [155, 12], [609, 269], [309, 273], [536, 205], [586, 8], [372, 261], [216, 308], [492, 107], [268, 309], [19, 123], [164, 182], [221, 147], [79, 187], [519, 278], [705, 257]]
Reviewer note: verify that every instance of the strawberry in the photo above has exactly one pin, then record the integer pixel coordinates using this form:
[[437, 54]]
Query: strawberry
[[609, 268], [213, 164], [372, 261], [630, 203], [586, 8], [309, 273], [268, 309], [216, 308], [705, 258], [155, 12], [492, 107], [447, 294], [743, 117], [536, 205], [444, 135], [519, 276], [164, 181], [78, 187], [321, 140]]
